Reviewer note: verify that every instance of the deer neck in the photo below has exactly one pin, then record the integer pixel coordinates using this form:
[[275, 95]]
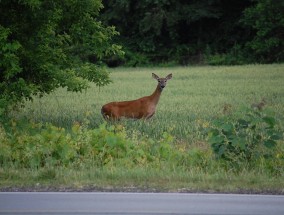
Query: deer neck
[[156, 95]]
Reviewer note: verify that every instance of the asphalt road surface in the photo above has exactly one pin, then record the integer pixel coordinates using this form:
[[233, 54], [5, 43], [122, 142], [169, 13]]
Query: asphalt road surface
[[139, 203]]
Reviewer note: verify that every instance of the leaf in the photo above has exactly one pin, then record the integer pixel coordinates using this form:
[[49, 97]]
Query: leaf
[[277, 136], [243, 123], [258, 137], [270, 143], [111, 141], [216, 139], [270, 121], [228, 129], [239, 143], [213, 132], [221, 151]]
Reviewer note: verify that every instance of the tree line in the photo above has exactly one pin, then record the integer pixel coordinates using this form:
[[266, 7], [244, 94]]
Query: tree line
[[197, 31]]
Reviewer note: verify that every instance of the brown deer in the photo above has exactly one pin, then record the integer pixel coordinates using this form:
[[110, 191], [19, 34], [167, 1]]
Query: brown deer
[[144, 107]]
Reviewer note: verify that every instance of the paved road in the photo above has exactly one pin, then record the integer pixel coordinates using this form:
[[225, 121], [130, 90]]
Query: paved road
[[139, 203]]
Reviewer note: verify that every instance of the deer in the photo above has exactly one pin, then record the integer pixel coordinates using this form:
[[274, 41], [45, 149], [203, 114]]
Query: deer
[[142, 108]]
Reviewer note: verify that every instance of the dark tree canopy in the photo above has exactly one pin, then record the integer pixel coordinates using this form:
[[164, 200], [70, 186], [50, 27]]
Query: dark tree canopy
[[45, 44], [222, 31], [266, 19]]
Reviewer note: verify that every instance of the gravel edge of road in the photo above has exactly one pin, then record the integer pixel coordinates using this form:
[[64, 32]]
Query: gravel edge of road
[[134, 190]]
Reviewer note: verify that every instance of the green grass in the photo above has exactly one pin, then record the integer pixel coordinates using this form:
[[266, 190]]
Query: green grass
[[192, 99], [141, 179]]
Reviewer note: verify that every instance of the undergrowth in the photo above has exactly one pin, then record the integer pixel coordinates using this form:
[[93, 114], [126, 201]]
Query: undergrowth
[[231, 147], [36, 146], [250, 136]]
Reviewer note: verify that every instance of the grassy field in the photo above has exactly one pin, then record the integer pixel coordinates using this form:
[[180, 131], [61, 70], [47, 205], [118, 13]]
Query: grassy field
[[193, 97], [191, 101]]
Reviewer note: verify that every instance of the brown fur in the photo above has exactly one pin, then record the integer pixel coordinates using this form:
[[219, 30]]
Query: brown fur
[[144, 107]]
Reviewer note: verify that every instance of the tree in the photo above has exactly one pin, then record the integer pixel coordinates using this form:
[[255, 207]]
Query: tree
[[176, 30], [266, 19], [46, 44]]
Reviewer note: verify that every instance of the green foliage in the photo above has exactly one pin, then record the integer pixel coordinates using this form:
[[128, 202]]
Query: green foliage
[[48, 44], [195, 96], [134, 59], [34, 146], [236, 56], [45, 147], [171, 138], [216, 59], [165, 30], [248, 138], [169, 149], [9, 68], [266, 18], [237, 32]]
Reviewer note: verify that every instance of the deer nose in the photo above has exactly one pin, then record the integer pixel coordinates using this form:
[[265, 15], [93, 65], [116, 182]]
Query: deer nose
[[162, 86]]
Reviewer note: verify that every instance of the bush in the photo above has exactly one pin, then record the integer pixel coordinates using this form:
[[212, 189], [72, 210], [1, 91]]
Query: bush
[[247, 138], [236, 56], [34, 146], [252, 138], [134, 59]]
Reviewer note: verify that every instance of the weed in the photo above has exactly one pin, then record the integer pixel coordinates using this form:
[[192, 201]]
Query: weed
[[251, 137]]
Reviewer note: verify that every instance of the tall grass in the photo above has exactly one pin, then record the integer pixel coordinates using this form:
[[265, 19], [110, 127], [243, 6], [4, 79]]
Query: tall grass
[[194, 97], [168, 152]]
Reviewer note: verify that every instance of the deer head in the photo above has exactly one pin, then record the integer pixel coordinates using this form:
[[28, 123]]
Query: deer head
[[162, 81]]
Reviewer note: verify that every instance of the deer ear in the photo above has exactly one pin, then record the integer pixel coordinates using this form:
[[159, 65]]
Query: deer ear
[[169, 76], [155, 76]]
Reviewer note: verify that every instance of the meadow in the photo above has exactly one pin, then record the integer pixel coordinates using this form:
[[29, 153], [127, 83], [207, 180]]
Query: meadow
[[194, 97], [74, 148]]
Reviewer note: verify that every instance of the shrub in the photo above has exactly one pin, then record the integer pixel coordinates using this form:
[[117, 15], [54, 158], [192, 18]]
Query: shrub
[[247, 138], [134, 59], [31, 145]]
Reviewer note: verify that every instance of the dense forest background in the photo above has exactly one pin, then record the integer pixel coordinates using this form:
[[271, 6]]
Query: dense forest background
[[215, 32]]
